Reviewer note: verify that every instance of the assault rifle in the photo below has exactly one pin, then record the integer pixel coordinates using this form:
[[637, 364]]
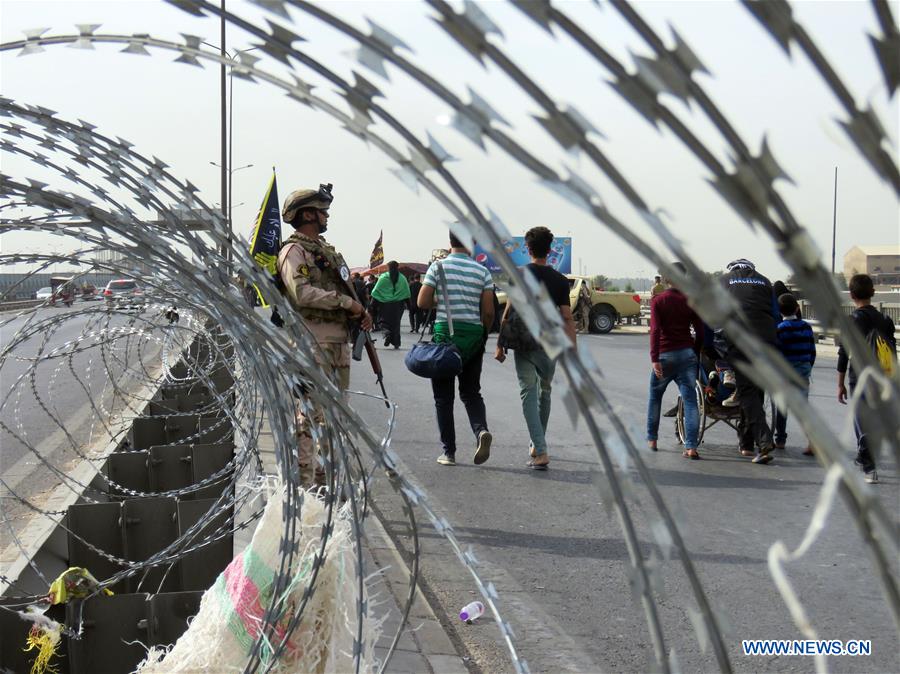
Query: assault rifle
[[364, 341]]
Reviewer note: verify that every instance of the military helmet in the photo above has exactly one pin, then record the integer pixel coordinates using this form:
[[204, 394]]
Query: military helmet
[[307, 198]]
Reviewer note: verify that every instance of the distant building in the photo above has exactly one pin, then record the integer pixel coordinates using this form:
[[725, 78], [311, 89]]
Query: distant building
[[882, 263], [129, 267], [194, 219]]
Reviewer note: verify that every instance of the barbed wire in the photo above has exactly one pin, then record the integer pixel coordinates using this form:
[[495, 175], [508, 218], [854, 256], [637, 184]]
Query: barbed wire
[[262, 354]]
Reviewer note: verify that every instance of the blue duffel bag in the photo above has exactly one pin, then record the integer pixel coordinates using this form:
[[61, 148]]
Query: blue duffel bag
[[434, 361]]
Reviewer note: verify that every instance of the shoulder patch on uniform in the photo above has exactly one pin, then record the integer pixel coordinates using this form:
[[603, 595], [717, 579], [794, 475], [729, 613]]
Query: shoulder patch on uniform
[[303, 270]]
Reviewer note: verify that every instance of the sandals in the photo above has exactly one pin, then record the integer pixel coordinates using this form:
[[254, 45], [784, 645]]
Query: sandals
[[537, 466], [691, 454]]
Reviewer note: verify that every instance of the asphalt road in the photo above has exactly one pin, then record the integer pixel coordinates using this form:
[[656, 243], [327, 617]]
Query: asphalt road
[[557, 557], [76, 389], [56, 379]]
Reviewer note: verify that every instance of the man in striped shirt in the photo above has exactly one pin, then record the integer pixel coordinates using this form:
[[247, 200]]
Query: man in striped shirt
[[470, 296], [797, 343]]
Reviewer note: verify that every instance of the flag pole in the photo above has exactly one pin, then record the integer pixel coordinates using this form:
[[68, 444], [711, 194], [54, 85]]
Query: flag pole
[[834, 223], [226, 247]]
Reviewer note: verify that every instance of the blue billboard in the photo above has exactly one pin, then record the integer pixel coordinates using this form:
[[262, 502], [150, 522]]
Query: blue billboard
[[560, 257]]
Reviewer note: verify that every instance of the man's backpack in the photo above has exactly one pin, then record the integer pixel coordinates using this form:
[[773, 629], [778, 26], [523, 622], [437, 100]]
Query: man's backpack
[[514, 334], [880, 339]]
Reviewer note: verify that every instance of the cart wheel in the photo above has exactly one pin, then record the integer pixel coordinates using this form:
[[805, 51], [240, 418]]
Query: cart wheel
[[680, 431], [701, 409], [679, 421]]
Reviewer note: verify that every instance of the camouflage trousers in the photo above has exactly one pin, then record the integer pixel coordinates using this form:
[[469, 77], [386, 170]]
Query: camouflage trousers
[[334, 359]]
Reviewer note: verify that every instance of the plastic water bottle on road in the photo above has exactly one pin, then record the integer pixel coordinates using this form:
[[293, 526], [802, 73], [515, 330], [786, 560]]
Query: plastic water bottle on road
[[471, 612]]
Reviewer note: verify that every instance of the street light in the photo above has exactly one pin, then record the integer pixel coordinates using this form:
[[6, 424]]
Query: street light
[[227, 157], [231, 172], [221, 47], [217, 204]]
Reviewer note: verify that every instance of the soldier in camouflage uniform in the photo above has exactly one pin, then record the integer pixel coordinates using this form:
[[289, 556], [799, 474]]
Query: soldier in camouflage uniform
[[316, 281]]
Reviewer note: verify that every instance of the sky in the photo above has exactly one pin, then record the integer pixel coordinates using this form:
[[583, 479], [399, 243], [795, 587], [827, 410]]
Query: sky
[[171, 111]]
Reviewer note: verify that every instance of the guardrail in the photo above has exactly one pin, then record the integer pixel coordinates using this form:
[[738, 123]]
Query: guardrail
[[890, 309], [15, 306], [27, 304]]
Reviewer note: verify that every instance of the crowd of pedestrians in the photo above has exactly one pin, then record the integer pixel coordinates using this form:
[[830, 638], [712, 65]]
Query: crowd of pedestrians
[[387, 297], [679, 342], [683, 350], [460, 295]]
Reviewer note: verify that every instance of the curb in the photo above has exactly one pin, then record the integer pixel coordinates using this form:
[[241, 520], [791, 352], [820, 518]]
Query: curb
[[424, 645]]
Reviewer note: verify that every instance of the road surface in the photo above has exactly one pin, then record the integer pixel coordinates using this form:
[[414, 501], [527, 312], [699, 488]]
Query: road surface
[[557, 556], [72, 382]]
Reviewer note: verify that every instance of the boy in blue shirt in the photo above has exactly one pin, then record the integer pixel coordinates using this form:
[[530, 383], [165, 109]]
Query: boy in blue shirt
[[797, 343]]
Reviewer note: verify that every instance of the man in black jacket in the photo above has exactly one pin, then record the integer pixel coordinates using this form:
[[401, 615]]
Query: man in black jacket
[[416, 317], [753, 291], [360, 286], [868, 320]]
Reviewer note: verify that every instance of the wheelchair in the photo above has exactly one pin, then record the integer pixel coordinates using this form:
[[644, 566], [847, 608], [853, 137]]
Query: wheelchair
[[712, 412]]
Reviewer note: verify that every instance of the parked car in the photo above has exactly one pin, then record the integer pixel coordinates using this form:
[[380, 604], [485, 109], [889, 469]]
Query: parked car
[[44, 293], [123, 293], [595, 310]]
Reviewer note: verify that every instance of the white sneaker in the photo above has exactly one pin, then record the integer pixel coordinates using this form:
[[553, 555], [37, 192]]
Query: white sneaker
[[871, 477], [483, 448], [731, 401]]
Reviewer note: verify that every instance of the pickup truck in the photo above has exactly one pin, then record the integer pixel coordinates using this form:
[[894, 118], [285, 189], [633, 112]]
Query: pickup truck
[[599, 310], [595, 310]]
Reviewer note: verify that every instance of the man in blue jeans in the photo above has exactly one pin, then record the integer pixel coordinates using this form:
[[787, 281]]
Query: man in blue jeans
[[673, 353], [534, 368]]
